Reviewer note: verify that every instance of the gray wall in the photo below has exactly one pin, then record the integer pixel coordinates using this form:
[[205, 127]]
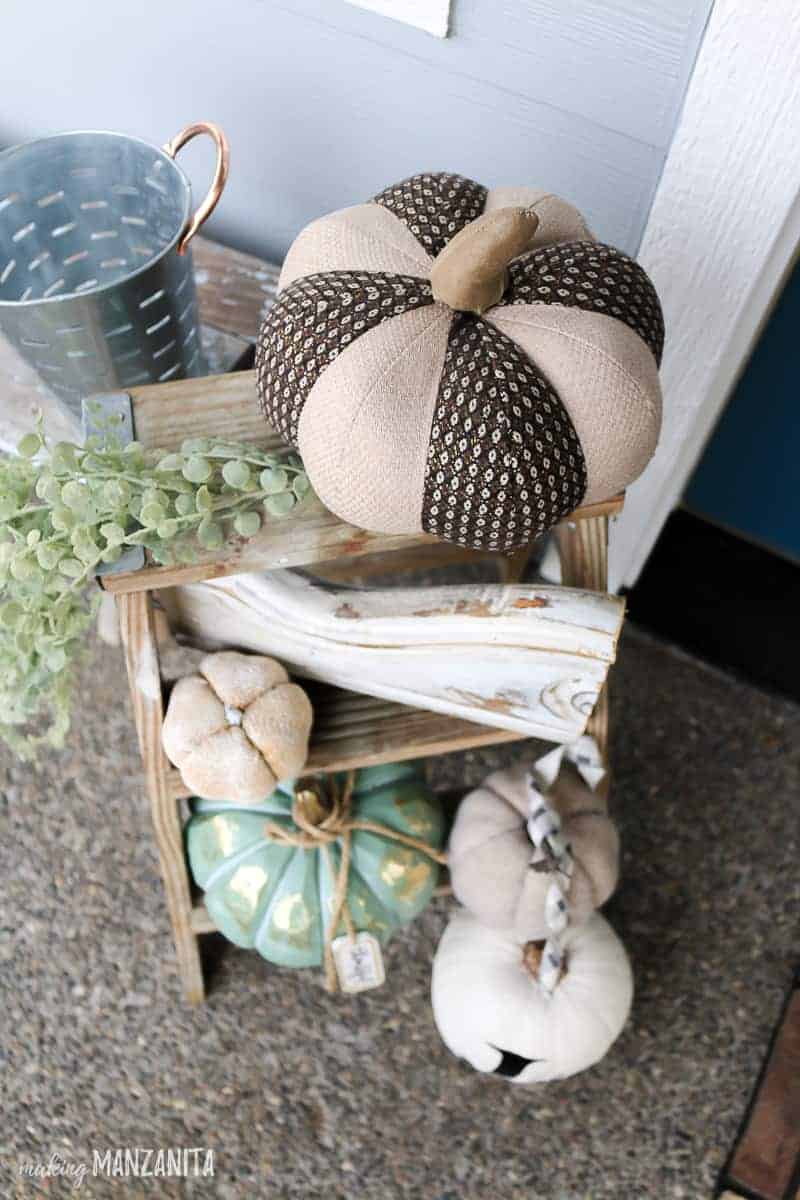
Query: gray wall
[[325, 104]]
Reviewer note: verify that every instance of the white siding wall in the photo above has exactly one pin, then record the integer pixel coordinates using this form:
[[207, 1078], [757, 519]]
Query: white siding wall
[[325, 103]]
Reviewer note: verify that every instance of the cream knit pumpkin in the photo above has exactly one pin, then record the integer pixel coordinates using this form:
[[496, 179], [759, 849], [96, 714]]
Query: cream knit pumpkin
[[484, 425]]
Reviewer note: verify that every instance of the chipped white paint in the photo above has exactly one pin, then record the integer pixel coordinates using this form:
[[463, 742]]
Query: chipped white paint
[[523, 658], [147, 678], [722, 233]]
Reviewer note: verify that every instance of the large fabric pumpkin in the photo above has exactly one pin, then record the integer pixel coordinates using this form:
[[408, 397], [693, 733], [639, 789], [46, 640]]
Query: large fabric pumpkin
[[278, 899], [494, 869], [490, 1009], [462, 361]]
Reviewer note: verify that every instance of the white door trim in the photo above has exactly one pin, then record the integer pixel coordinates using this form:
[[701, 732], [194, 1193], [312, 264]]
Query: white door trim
[[722, 234]]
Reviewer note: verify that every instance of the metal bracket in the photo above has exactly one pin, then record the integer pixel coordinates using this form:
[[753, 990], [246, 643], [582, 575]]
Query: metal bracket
[[95, 411]]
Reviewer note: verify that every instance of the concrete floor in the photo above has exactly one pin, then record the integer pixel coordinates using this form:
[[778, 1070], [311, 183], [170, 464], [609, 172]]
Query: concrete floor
[[300, 1093]]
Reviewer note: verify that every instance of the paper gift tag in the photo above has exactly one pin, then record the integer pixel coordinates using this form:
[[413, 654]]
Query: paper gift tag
[[359, 962]]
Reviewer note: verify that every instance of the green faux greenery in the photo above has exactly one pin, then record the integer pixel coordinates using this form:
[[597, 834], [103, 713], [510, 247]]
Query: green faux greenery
[[66, 509]]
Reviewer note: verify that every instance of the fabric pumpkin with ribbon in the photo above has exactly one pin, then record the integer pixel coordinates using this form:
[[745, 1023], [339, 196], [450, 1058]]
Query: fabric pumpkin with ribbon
[[500, 876], [491, 1010], [271, 872], [462, 361]]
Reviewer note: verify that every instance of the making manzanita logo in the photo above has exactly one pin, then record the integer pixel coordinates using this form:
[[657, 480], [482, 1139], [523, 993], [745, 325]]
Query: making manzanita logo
[[56, 1167], [126, 1162]]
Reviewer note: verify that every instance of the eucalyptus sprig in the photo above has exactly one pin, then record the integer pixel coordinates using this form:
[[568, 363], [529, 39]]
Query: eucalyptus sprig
[[66, 509]]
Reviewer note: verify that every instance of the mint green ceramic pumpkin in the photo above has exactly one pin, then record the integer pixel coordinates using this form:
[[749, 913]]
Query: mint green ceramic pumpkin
[[277, 899]]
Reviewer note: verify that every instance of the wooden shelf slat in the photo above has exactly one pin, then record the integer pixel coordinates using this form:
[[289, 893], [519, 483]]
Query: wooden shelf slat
[[234, 289], [409, 733], [766, 1159], [224, 406], [352, 730]]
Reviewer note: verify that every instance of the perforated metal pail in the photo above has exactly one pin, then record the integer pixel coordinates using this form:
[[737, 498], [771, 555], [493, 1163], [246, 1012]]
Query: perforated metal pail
[[96, 283]]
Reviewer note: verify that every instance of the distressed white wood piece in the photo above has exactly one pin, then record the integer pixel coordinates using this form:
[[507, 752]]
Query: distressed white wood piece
[[528, 659], [722, 234], [431, 15]]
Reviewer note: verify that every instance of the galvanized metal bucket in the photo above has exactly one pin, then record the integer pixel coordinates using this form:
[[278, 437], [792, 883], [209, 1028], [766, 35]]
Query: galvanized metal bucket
[[96, 284]]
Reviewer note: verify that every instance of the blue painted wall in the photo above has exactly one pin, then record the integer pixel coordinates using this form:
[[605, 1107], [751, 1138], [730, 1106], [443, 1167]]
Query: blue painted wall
[[749, 476], [325, 103]]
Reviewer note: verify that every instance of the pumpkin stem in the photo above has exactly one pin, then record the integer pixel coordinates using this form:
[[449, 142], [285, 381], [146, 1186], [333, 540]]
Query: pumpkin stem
[[532, 959], [309, 797], [470, 274]]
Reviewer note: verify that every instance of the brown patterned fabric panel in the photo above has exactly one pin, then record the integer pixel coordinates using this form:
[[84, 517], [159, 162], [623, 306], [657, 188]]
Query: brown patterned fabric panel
[[309, 326], [435, 207], [504, 460], [592, 276]]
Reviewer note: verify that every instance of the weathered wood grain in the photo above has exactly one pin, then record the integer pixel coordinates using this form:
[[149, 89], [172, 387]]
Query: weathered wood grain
[[310, 535], [352, 730], [141, 658], [527, 659], [307, 536], [428, 556], [223, 406], [234, 289], [768, 1154]]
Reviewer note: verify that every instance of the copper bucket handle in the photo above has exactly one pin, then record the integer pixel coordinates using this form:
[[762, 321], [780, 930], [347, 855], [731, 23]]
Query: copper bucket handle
[[220, 173]]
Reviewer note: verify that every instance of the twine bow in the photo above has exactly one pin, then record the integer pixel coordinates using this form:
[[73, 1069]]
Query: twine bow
[[320, 824]]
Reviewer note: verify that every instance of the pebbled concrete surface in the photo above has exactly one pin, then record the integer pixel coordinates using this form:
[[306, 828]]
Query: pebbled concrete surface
[[300, 1093]]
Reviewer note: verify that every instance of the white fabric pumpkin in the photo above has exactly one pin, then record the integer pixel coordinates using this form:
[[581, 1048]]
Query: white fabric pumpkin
[[238, 728], [491, 1011], [490, 853]]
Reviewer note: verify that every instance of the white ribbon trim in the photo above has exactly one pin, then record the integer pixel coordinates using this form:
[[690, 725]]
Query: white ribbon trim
[[585, 756], [553, 851], [544, 830]]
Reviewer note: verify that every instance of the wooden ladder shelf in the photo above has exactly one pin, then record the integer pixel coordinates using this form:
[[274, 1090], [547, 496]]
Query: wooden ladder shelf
[[350, 729]]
